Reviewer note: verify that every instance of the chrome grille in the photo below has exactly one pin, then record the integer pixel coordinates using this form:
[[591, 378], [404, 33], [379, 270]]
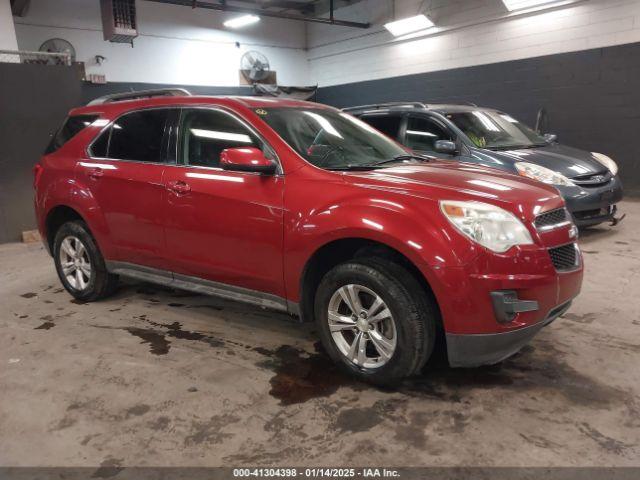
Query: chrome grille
[[548, 220], [564, 257], [593, 179]]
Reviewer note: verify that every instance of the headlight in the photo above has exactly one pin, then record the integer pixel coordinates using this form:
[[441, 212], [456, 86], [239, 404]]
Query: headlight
[[490, 226], [606, 161], [542, 174]]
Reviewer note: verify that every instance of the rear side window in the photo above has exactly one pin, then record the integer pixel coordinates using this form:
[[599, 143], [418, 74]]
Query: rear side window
[[134, 136], [387, 124], [70, 128]]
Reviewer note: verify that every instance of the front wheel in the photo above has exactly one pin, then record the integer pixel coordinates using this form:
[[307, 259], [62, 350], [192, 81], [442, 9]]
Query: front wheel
[[80, 265], [375, 320]]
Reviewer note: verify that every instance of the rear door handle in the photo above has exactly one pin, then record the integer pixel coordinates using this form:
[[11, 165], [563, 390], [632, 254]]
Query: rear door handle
[[96, 173], [178, 187]]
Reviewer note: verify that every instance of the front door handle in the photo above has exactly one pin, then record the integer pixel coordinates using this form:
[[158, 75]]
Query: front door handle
[[178, 187], [96, 173]]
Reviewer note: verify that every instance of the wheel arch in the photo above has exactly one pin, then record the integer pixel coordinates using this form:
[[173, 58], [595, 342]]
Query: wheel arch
[[340, 250], [56, 217]]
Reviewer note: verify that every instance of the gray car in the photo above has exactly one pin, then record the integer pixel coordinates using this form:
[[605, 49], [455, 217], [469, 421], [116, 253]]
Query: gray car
[[588, 181]]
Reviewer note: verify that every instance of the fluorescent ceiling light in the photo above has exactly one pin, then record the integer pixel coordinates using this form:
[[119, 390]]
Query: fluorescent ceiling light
[[242, 21], [522, 4], [226, 136], [424, 134], [408, 25]]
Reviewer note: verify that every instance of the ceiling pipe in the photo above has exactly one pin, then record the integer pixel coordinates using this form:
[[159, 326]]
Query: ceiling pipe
[[263, 13]]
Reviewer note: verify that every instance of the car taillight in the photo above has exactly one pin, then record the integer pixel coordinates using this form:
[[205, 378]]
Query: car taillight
[[37, 172]]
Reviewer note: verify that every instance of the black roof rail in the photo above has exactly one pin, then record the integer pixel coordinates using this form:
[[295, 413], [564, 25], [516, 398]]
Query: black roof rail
[[160, 92], [378, 106]]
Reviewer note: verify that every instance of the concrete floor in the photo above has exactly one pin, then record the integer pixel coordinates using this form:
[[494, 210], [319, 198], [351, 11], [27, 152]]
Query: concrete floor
[[159, 377]]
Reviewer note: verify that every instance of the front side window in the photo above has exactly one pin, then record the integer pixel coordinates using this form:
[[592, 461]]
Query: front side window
[[134, 136], [204, 134], [331, 139], [495, 130], [423, 133]]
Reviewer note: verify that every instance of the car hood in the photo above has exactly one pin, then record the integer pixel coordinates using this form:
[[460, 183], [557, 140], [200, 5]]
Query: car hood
[[438, 180], [570, 162]]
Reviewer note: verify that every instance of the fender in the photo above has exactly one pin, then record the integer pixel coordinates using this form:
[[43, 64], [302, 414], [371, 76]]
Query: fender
[[401, 224]]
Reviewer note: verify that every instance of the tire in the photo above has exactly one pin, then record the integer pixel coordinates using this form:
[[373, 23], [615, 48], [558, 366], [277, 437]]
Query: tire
[[94, 282], [412, 313]]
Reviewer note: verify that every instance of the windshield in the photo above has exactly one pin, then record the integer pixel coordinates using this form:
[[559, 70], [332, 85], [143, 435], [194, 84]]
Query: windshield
[[330, 139], [495, 130]]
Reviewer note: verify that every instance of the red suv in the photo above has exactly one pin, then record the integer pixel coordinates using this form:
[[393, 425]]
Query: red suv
[[300, 207]]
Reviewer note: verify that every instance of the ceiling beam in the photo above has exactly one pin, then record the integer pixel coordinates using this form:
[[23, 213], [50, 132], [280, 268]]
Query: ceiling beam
[[261, 12]]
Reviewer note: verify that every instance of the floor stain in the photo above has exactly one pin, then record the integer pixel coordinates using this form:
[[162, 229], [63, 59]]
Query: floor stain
[[301, 376], [540, 442], [137, 410], [88, 438], [362, 419], [158, 344], [45, 326], [584, 318], [359, 419], [175, 330], [210, 432], [110, 467], [607, 443], [29, 295], [160, 424]]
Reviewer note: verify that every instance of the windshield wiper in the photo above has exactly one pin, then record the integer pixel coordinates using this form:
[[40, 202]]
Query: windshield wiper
[[363, 167], [515, 147], [372, 166], [401, 158]]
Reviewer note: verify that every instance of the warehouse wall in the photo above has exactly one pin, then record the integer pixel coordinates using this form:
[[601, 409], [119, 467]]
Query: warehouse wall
[[7, 31], [177, 45], [34, 100], [468, 32], [591, 97]]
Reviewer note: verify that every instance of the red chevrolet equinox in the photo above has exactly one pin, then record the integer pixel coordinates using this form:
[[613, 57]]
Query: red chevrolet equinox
[[299, 207]]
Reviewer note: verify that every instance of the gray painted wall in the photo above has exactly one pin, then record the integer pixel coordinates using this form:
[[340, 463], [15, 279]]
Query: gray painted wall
[[592, 97], [34, 100]]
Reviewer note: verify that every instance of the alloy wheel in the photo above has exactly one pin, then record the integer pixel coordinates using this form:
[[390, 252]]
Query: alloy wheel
[[362, 326], [75, 262]]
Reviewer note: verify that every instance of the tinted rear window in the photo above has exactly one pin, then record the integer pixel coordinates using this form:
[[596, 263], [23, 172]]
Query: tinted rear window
[[134, 136], [70, 128], [387, 124]]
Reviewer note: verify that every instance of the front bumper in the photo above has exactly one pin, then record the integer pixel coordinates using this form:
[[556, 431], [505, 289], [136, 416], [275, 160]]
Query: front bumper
[[474, 350], [592, 205], [496, 303]]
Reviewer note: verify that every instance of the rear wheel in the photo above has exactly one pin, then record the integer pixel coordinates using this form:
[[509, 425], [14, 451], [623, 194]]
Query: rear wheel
[[375, 320], [80, 265]]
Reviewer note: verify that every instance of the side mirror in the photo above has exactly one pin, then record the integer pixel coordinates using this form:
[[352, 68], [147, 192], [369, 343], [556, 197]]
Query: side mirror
[[446, 146], [246, 159], [550, 137]]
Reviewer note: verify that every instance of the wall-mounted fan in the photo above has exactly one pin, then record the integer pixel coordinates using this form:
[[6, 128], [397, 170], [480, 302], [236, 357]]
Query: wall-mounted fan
[[58, 45], [255, 67]]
